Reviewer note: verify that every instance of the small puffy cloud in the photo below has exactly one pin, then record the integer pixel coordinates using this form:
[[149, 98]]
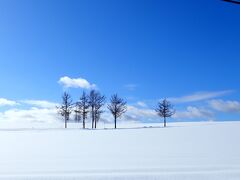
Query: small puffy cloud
[[68, 82], [199, 96], [6, 102], [225, 106], [193, 112], [41, 103]]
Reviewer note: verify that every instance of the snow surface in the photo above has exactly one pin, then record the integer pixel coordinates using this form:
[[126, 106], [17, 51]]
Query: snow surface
[[182, 151]]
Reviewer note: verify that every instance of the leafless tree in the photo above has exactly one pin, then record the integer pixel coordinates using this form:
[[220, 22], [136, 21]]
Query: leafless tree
[[165, 110], [96, 102], [117, 107], [82, 107], [65, 109]]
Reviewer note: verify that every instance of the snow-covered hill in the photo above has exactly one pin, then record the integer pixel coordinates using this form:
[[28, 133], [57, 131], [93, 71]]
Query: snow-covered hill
[[183, 151]]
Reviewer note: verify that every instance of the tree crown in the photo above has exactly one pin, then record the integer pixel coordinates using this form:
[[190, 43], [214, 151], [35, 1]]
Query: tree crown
[[117, 106], [165, 109]]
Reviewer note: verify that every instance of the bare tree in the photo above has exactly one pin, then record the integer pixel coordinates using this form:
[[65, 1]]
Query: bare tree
[[117, 107], [165, 110], [83, 108], [96, 102], [66, 108]]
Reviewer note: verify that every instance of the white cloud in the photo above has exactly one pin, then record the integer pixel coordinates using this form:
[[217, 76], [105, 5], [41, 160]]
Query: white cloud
[[140, 114], [200, 96], [6, 102], [40, 103], [134, 113], [225, 106], [144, 112], [193, 112], [29, 115], [141, 104], [68, 82], [39, 111]]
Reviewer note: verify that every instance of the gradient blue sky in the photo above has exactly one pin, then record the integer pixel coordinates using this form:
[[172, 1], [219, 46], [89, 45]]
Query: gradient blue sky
[[144, 50]]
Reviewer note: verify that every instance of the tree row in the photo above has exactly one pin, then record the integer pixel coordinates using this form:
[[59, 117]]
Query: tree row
[[91, 106]]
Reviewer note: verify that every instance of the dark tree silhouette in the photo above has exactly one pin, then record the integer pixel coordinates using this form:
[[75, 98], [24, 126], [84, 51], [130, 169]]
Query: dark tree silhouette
[[82, 108], [117, 107], [65, 109], [233, 1], [165, 110], [96, 102]]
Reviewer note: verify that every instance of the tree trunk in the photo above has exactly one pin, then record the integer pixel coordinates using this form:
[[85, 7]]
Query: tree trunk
[[92, 118], [115, 120], [165, 123], [95, 123], [65, 122], [83, 122]]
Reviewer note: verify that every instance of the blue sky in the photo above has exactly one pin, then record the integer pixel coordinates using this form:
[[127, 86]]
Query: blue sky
[[144, 50]]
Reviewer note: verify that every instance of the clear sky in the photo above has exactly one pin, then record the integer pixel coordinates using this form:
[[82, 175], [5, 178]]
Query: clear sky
[[144, 50]]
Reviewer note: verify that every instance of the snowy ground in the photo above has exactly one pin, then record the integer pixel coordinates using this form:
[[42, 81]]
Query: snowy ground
[[183, 151]]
